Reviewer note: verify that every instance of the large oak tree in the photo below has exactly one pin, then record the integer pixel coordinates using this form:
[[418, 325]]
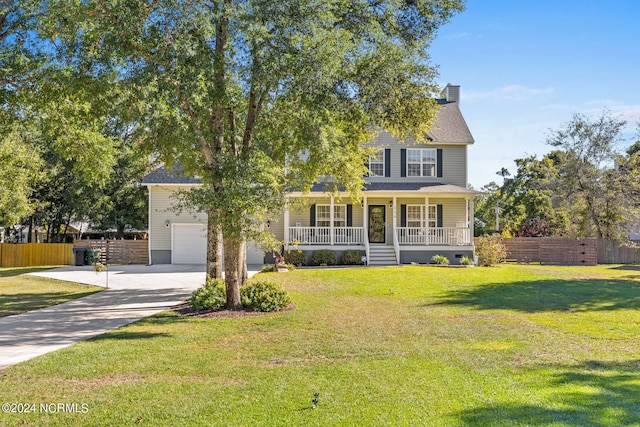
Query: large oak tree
[[258, 97]]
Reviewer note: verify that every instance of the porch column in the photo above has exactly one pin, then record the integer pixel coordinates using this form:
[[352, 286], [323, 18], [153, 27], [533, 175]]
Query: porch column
[[331, 230], [395, 220], [365, 219], [472, 221], [426, 220], [286, 224]]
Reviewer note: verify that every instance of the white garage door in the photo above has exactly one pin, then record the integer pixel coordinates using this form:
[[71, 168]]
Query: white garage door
[[189, 244], [254, 255]]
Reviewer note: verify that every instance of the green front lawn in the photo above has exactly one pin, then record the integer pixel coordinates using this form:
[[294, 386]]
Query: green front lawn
[[405, 346], [20, 293]]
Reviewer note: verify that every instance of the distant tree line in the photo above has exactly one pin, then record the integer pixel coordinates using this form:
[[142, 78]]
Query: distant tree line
[[68, 150], [585, 187]]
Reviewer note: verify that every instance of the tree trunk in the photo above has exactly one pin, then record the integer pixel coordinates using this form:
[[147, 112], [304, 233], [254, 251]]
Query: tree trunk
[[214, 253], [242, 262], [232, 254]]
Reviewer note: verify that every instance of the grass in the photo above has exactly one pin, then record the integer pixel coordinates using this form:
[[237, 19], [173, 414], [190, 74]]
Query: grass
[[407, 346], [20, 293]]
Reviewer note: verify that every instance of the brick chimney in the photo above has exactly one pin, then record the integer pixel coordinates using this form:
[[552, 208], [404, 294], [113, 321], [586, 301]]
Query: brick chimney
[[452, 93]]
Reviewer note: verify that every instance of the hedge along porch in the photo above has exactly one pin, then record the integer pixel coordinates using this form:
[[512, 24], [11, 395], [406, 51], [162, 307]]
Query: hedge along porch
[[391, 226]]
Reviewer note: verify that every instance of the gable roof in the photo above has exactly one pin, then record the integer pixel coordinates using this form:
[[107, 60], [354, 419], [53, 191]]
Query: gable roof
[[450, 127]]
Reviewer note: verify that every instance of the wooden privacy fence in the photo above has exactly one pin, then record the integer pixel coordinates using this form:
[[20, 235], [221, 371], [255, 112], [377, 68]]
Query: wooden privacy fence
[[35, 254], [612, 252], [118, 251], [548, 250]]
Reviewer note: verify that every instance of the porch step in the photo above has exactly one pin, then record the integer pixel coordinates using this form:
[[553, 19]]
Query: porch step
[[382, 255]]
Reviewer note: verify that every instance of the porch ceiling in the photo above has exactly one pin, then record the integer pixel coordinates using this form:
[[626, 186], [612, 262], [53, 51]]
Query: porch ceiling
[[398, 189]]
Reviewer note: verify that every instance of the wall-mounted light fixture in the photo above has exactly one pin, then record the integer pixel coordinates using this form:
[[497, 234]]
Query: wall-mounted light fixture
[[167, 223], [390, 203], [268, 224]]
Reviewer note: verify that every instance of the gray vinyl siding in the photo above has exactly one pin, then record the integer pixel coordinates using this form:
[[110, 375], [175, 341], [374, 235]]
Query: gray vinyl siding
[[277, 226], [454, 161], [453, 210], [160, 210], [303, 215]]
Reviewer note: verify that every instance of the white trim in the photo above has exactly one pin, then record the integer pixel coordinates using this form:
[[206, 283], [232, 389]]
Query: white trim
[[378, 161], [422, 163], [332, 206], [149, 220]]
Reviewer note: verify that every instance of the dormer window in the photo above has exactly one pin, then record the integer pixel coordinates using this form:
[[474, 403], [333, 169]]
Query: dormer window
[[376, 164], [421, 161]]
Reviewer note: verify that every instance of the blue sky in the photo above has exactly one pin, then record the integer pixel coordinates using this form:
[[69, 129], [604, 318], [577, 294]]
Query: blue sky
[[525, 67]]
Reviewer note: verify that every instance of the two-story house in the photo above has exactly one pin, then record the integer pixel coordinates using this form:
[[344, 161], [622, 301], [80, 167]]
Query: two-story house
[[415, 205]]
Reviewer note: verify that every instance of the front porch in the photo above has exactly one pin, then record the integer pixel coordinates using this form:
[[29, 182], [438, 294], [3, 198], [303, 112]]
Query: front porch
[[393, 226], [355, 236]]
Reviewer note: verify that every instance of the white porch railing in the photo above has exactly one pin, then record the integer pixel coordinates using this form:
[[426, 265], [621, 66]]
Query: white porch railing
[[434, 236], [322, 235]]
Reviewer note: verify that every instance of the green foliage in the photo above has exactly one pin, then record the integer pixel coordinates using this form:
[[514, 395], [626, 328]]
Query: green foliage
[[263, 295], [490, 250], [573, 191], [270, 268], [295, 257], [440, 260], [93, 255], [238, 90], [324, 257], [465, 260], [211, 296], [19, 167], [352, 257]]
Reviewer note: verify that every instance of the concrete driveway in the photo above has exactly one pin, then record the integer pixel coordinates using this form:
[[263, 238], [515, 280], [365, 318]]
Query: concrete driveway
[[161, 276], [135, 292]]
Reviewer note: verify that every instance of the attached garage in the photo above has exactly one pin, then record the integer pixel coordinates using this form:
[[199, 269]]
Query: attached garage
[[189, 245]]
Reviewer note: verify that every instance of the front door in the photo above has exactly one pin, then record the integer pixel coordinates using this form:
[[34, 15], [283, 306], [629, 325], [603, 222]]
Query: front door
[[376, 223]]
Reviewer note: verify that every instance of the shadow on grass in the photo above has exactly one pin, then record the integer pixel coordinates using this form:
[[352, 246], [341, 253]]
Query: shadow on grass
[[19, 303], [12, 272], [592, 393], [126, 335], [550, 295], [629, 267]]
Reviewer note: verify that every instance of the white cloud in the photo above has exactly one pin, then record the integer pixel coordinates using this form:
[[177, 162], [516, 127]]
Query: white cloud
[[509, 93]]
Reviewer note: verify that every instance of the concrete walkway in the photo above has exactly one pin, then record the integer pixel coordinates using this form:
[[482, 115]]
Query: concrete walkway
[[135, 292]]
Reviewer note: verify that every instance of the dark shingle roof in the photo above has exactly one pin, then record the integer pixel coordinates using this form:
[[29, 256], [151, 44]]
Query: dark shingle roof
[[450, 127], [175, 176], [403, 186]]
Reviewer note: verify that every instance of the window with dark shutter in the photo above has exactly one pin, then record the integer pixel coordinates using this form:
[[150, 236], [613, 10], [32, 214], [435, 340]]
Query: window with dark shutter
[[387, 162]]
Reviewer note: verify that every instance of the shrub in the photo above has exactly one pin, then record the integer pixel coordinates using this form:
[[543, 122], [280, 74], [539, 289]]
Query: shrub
[[264, 295], [296, 257], [465, 260], [291, 267], [269, 268], [352, 257], [211, 296], [490, 250], [440, 260], [324, 256]]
